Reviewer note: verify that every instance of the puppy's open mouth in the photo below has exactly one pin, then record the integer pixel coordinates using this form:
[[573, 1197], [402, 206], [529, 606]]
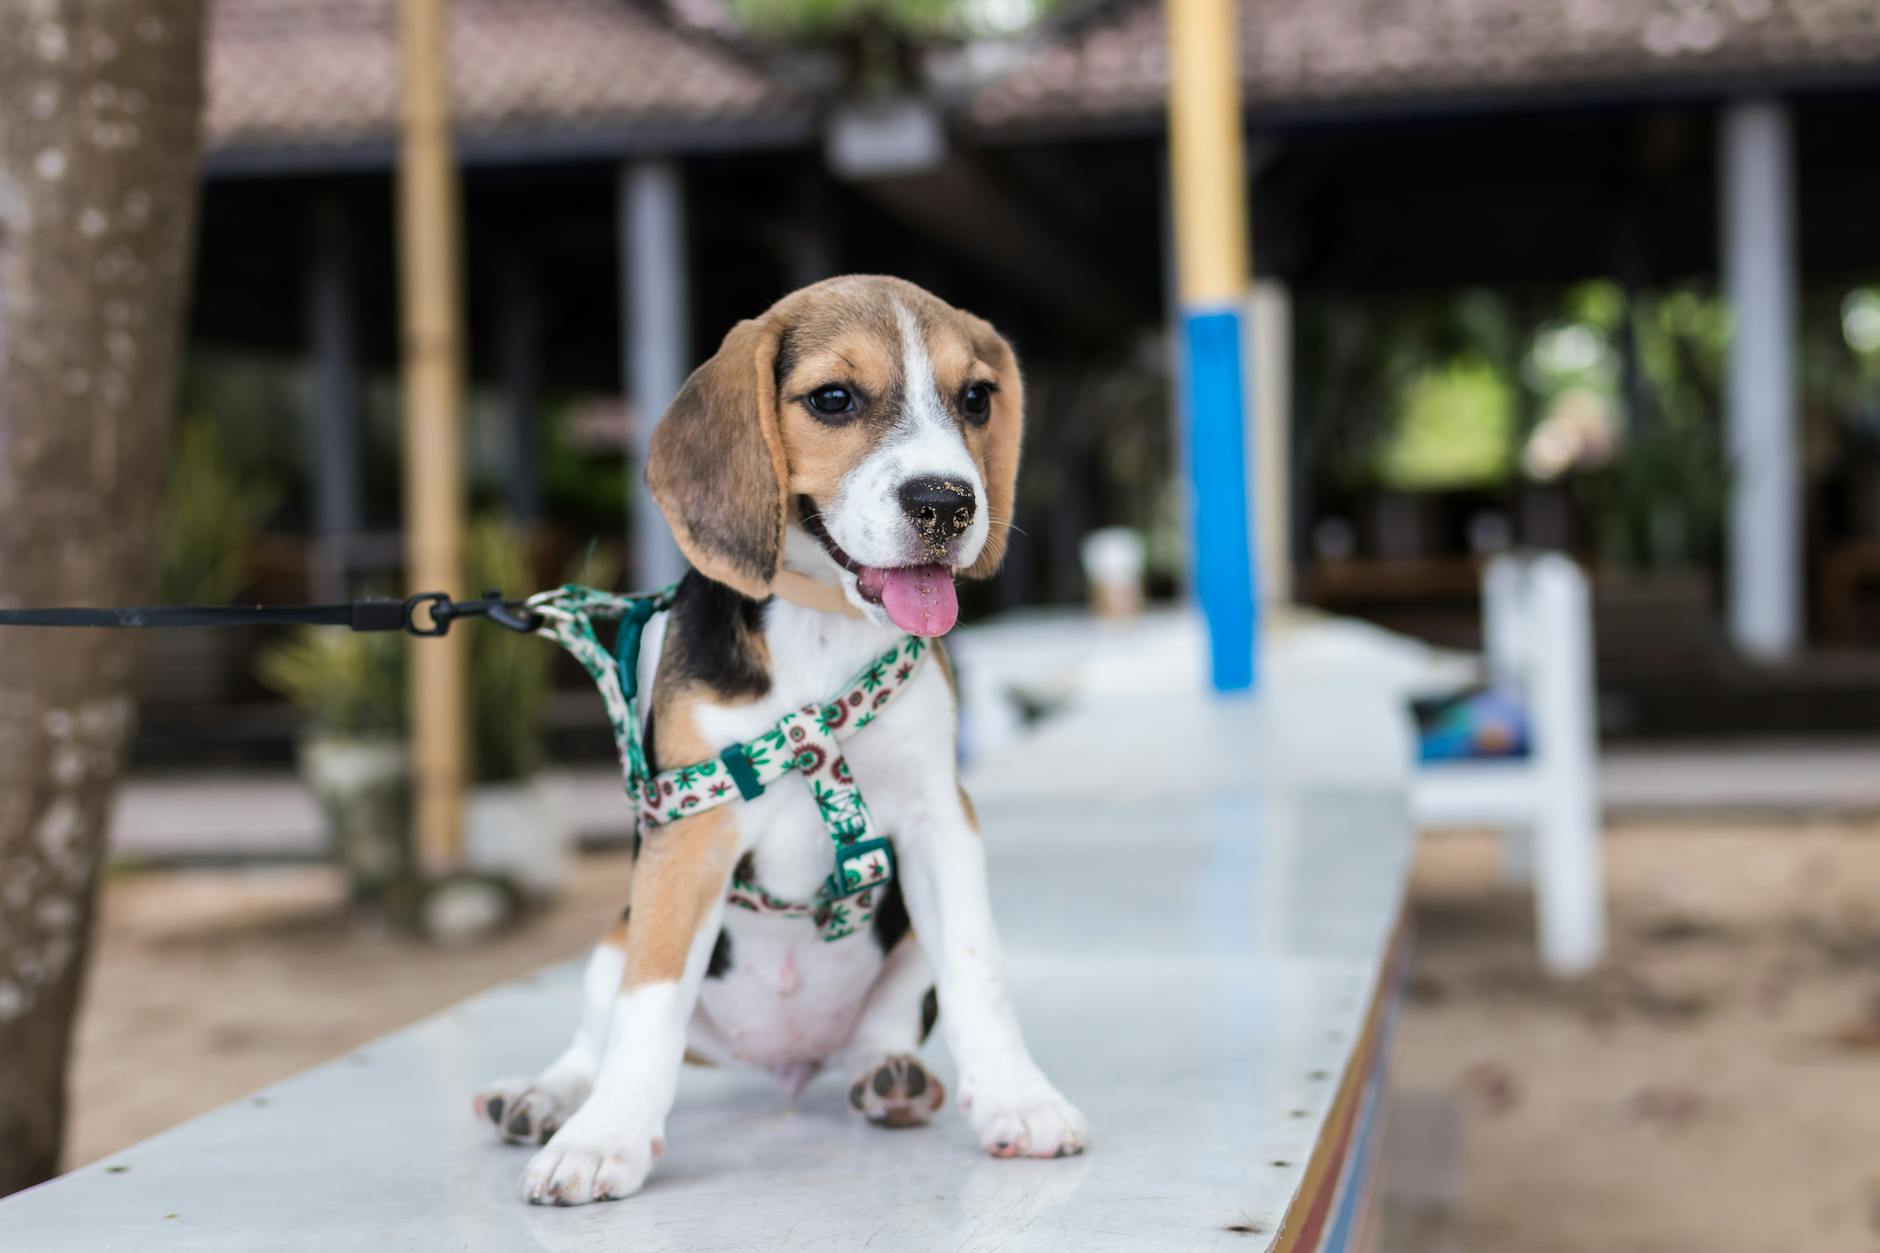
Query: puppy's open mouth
[[919, 599]]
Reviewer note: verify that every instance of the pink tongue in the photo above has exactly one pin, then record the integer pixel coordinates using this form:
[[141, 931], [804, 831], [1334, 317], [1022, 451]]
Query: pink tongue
[[920, 599]]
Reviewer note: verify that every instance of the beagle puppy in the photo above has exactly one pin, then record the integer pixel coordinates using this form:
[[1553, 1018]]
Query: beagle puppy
[[829, 472]]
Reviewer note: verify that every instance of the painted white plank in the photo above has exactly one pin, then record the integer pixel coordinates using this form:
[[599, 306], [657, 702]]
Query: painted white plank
[[1192, 974]]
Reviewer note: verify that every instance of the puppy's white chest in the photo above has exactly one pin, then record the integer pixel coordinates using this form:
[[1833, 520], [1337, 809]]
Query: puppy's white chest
[[784, 995]]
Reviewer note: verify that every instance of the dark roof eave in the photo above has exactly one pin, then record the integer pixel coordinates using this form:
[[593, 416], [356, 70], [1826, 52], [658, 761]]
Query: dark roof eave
[[619, 141], [1348, 110]]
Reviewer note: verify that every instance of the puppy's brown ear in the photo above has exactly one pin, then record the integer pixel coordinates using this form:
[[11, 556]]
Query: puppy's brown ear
[[1005, 433], [717, 467]]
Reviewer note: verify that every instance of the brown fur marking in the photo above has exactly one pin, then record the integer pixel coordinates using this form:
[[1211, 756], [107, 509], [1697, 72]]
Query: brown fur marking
[[972, 815], [681, 876], [738, 442], [717, 465], [683, 867]]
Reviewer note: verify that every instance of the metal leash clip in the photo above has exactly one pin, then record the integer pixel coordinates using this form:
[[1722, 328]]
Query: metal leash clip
[[512, 615]]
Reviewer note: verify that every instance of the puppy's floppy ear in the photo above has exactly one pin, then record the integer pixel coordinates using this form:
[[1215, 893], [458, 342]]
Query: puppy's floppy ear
[[717, 466], [998, 466]]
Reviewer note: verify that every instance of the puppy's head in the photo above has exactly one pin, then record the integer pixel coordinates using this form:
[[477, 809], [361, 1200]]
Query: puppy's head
[[860, 432]]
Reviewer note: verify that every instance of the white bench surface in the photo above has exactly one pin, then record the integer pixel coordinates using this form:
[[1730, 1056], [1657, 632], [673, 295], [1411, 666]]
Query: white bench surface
[[1194, 973]]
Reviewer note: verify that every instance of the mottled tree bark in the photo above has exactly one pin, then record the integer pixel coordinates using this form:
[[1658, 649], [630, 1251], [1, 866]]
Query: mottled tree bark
[[99, 110]]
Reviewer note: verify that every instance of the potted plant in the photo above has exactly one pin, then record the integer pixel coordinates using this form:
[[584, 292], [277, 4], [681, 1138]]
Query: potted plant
[[513, 825], [350, 690]]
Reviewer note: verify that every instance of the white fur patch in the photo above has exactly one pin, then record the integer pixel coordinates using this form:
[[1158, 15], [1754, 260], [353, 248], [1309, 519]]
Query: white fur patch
[[789, 1002], [865, 517]]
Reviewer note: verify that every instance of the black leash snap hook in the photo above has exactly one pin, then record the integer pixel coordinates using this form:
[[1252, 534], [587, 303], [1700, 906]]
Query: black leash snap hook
[[441, 613], [445, 611], [524, 621]]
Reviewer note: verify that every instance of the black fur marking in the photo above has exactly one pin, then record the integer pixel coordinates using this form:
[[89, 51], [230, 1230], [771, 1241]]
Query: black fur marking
[[746, 869], [721, 956], [714, 638], [647, 744], [929, 1013], [891, 923]]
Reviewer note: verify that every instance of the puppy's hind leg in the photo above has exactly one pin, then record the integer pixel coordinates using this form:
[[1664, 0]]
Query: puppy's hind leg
[[530, 1109], [887, 1082]]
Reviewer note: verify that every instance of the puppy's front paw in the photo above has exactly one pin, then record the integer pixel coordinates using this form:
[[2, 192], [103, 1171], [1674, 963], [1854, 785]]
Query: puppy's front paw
[[896, 1091], [573, 1169], [1032, 1120], [529, 1111]]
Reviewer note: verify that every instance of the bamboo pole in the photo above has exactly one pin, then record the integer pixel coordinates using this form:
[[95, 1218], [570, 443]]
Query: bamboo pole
[[433, 405], [1208, 178], [1206, 154]]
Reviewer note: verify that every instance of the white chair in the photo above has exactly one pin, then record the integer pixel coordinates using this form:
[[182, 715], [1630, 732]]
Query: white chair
[[1537, 626]]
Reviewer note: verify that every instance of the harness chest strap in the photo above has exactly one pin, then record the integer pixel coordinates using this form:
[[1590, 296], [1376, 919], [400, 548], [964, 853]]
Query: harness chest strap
[[805, 740]]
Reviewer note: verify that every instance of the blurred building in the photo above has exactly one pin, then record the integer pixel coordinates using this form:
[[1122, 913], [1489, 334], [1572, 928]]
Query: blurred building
[[637, 178]]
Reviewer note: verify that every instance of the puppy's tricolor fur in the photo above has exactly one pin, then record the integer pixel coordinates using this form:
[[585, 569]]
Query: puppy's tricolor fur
[[827, 472]]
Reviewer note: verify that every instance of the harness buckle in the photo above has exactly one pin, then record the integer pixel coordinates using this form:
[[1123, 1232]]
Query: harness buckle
[[859, 866], [743, 773]]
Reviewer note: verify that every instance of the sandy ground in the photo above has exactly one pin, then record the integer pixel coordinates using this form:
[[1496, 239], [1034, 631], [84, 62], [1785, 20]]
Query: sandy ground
[[1715, 1089], [209, 984]]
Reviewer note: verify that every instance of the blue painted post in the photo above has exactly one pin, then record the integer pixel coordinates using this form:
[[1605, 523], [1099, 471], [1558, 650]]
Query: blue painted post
[[1222, 548], [1208, 176]]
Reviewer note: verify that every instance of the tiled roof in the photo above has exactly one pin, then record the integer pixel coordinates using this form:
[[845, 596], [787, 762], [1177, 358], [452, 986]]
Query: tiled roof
[[287, 73], [1307, 52]]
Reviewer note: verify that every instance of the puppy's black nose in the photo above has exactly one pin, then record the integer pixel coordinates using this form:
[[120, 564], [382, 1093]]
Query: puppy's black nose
[[940, 509]]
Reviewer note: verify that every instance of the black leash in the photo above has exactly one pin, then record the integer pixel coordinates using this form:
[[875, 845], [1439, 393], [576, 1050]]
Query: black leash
[[426, 614]]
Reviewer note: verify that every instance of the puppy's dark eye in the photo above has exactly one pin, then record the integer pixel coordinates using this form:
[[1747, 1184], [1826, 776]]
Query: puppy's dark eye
[[831, 401], [976, 400]]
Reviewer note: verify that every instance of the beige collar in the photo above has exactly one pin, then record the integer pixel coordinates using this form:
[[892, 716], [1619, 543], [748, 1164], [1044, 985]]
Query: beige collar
[[800, 589]]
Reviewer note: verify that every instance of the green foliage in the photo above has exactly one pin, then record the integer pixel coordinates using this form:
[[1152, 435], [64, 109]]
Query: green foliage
[[509, 672], [258, 403], [579, 486], [1841, 372], [811, 18], [1661, 503], [931, 20], [346, 684], [1383, 385], [1455, 429], [213, 513], [511, 675]]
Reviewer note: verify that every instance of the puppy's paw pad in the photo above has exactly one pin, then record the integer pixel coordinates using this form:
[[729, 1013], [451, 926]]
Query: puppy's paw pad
[[523, 1112], [897, 1091], [578, 1175], [1038, 1125]]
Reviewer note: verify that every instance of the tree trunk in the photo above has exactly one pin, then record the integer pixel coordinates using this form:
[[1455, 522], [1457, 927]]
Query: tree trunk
[[99, 108]]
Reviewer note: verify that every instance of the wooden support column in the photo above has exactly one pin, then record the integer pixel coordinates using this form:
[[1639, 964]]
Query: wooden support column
[[334, 420], [433, 403], [655, 317]]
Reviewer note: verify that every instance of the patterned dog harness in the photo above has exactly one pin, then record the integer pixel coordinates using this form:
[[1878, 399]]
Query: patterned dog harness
[[807, 740]]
